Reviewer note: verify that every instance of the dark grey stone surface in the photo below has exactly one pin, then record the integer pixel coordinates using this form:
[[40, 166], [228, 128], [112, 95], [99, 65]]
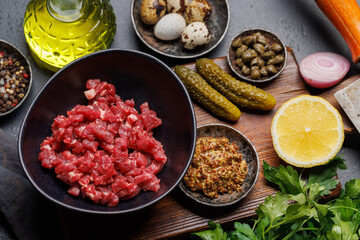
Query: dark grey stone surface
[[299, 23]]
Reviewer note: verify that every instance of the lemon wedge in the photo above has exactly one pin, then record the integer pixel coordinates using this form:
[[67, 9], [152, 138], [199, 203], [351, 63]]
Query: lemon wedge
[[307, 131]]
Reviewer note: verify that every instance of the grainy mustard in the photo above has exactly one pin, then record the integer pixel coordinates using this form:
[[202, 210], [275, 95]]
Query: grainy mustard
[[217, 167]]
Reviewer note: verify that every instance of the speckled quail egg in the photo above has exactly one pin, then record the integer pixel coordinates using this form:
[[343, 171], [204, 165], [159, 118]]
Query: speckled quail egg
[[152, 10], [194, 35], [170, 27], [197, 11], [176, 6]]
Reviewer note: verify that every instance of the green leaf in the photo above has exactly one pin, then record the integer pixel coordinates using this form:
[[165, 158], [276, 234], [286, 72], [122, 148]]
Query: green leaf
[[345, 219], [322, 209], [238, 236], [216, 233], [347, 230], [314, 191], [260, 228], [296, 213], [334, 234], [352, 189], [356, 221], [219, 234], [357, 203], [323, 175], [325, 172], [205, 235], [328, 185], [300, 198], [270, 172], [286, 178], [274, 207], [324, 217], [344, 213], [245, 230]]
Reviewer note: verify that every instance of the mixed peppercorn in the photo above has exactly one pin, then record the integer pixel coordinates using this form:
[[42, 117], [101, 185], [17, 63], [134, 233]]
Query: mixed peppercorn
[[14, 81], [217, 167]]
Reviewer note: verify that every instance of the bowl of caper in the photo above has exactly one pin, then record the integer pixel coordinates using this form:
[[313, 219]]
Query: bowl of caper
[[257, 55]]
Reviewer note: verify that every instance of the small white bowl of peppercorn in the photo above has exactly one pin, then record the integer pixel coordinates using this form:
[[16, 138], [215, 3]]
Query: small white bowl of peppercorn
[[15, 78], [257, 55]]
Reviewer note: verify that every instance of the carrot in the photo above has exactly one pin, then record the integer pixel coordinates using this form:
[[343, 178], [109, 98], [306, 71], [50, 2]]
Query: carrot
[[345, 16]]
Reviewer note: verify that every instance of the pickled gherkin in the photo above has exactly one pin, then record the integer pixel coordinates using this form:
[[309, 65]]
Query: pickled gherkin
[[208, 97], [240, 93]]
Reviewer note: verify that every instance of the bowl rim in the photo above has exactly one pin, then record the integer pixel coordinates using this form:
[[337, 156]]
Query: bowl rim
[[49, 82], [255, 178], [249, 79], [30, 79], [176, 56]]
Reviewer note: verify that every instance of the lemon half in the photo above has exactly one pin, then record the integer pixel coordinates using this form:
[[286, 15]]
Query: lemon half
[[307, 131]]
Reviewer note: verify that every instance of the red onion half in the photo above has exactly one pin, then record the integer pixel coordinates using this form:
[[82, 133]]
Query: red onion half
[[324, 69]]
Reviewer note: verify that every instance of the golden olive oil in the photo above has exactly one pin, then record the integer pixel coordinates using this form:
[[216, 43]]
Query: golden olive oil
[[60, 31]]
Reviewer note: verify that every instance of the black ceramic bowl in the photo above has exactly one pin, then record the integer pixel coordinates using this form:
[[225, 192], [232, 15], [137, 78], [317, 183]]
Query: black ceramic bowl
[[217, 24], [135, 75]]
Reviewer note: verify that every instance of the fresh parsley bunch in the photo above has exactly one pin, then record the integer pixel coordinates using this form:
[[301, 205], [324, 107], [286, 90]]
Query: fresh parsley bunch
[[295, 212]]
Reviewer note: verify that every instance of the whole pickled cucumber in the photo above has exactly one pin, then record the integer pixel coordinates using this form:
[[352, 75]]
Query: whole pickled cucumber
[[240, 93], [206, 95]]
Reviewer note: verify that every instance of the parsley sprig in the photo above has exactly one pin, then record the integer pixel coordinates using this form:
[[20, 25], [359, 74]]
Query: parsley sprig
[[295, 212]]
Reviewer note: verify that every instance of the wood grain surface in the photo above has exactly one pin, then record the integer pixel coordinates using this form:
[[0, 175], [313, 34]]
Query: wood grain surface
[[175, 216]]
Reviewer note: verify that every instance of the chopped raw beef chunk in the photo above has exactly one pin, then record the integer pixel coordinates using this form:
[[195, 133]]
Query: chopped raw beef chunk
[[106, 150]]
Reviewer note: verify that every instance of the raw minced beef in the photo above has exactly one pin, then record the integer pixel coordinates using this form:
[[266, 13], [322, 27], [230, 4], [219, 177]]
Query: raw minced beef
[[106, 150]]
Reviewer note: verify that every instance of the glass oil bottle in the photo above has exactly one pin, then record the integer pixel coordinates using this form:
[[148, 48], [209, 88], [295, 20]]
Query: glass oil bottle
[[60, 31]]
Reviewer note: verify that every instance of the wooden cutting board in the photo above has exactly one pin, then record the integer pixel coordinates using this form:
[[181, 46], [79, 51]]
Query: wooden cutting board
[[175, 216]]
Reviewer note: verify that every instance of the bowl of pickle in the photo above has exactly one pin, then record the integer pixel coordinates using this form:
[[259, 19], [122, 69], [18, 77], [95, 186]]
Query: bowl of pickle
[[257, 55]]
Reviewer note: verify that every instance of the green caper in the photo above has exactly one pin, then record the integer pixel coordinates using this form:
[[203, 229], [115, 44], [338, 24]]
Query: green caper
[[253, 52], [257, 61], [260, 39], [239, 62], [267, 55], [270, 61], [263, 71], [236, 42], [261, 62], [255, 74], [259, 48], [256, 34], [240, 50], [248, 40], [278, 59], [254, 68], [247, 56], [277, 48], [245, 70], [271, 69]]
